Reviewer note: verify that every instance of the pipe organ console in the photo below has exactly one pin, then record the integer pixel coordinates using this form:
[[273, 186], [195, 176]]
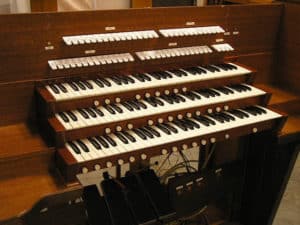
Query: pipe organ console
[[105, 120], [102, 90]]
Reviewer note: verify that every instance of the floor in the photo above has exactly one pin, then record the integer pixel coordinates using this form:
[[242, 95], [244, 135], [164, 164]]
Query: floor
[[289, 209]]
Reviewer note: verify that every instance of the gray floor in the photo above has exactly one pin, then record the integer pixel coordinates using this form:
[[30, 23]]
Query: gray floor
[[289, 209]]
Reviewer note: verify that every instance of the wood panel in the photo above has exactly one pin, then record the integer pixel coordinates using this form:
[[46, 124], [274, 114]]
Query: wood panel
[[141, 3], [43, 5], [288, 75]]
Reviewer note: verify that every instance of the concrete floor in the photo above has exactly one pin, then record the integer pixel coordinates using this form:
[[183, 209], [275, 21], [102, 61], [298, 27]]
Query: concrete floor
[[288, 212]]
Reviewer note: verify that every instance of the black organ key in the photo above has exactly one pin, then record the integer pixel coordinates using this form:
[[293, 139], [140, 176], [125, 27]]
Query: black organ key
[[167, 99], [227, 116], [162, 128], [231, 66], [81, 85], [72, 115], [134, 104], [98, 111], [122, 138], [129, 136], [251, 111], [94, 143], [74, 147], [146, 132], [155, 75], [62, 88], [129, 79], [139, 77], [171, 128], [154, 132], [146, 77], [105, 82], [180, 125], [187, 124], [202, 120], [211, 122], [210, 68], [157, 101], [88, 84], [82, 146], [259, 109], [116, 80], [102, 141], [225, 90], [140, 134], [109, 109], [200, 70], [74, 86], [91, 112], [140, 104], [64, 117], [110, 140], [99, 83], [127, 106], [223, 67], [83, 113], [123, 79], [192, 123], [54, 88], [204, 93], [151, 102], [216, 68], [117, 108]]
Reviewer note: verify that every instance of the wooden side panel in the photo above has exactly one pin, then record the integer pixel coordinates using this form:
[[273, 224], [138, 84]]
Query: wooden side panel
[[43, 5], [288, 74]]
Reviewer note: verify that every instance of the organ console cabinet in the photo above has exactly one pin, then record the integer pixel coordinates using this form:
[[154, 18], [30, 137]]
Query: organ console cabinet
[[83, 91]]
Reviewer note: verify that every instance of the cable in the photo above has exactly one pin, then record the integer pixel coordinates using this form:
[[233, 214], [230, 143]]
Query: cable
[[212, 149]]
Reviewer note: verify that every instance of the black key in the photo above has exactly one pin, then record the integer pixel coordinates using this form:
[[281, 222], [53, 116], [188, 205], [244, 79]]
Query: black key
[[201, 120], [168, 75], [140, 134], [180, 125], [123, 79], [74, 147], [134, 104], [129, 79], [222, 67], [94, 143], [204, 93], [64, 117], [174, 98], [102, 141], [210, 68], [155, 75], [139, 77], [151, 102], [251, 111], [173, 129], [259, 109], [117, 108], [88, 84], [129, 136], [191, 70], [211, 122], [74, 86], [98, 111], [164, 129], [154, 132], [241, 113], [225, 90], [127, 106], [187, 124], [214, 92], [82, 146], [54, 88], [116, 80], [109, 140], [142, 105], [167, 99], [122, 138], [99, 83], [230, 65], [146, 77], [192, 123], [178, 74], [200, 70], [180, 98], [104, 81], [146, 132], [62, 88], [191, 97], [227, 116], [72, 115], [157, 101], [81, 85], [218, 118], [91, 113], [83, 113], [110, 109], [216, 68]]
